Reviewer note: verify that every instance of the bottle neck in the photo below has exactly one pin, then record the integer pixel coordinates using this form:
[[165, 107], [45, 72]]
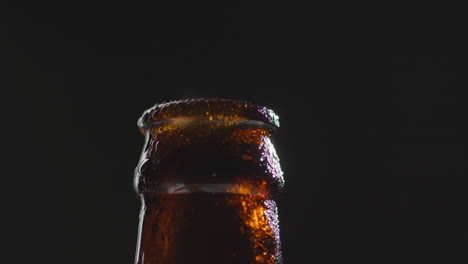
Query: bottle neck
[[208, 228], [179, 158], [207, 192]]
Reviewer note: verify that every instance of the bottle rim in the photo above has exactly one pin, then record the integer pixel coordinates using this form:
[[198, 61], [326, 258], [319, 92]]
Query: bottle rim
[[210, 110]]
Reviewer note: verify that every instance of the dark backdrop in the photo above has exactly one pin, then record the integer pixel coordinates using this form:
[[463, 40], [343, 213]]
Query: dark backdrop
[[372, 145]]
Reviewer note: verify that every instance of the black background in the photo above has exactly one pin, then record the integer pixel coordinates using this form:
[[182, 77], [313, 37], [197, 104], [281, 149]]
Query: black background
[[372, 145]]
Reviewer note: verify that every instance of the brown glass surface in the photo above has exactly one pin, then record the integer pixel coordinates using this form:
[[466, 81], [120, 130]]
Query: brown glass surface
[[208, 177], [209, 228]]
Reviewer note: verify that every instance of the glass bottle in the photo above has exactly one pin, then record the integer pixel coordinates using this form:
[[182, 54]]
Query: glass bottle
[[208, 178]]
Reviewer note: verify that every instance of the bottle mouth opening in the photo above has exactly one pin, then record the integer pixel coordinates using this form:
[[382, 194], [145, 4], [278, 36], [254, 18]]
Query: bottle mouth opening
[[213, 111]]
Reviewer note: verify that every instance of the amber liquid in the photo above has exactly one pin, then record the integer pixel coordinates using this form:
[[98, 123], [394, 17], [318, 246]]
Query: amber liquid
[[208, 228]]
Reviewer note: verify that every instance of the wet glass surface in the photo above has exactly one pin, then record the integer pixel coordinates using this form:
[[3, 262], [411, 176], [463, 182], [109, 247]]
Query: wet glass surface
[[208, 178]]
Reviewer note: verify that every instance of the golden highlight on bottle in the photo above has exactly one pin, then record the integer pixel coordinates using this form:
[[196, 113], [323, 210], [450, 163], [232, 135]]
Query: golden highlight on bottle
[[208, 178]]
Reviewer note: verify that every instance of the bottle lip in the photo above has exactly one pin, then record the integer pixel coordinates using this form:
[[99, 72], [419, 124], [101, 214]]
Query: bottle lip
[[217, 110]]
